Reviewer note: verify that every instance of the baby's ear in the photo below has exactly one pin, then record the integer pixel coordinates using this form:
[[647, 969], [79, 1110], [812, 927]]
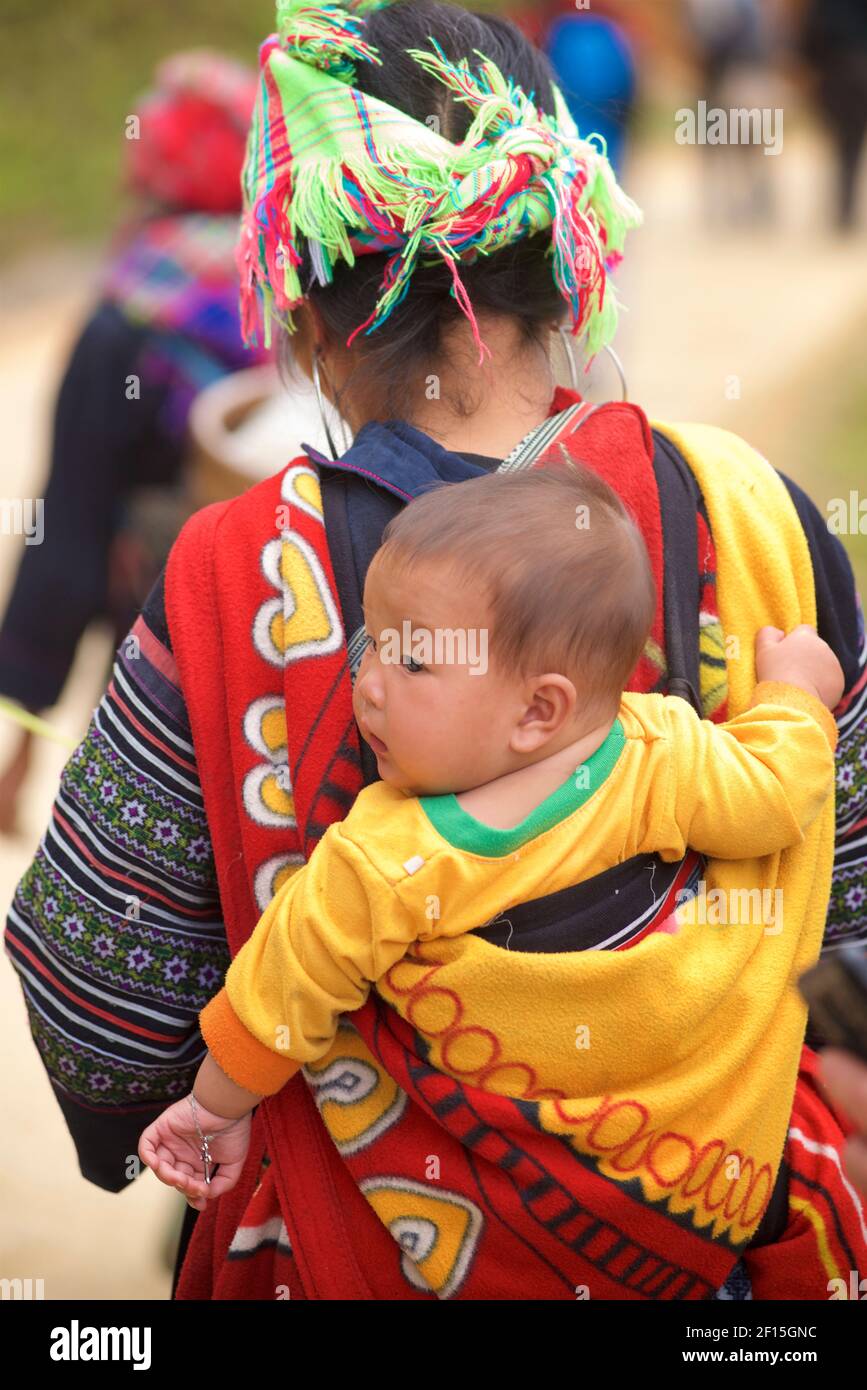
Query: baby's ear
[[552, 701]]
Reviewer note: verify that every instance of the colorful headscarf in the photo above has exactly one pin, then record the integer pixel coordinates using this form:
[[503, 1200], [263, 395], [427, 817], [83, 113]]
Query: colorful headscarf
[[194, 124], [354, 175]]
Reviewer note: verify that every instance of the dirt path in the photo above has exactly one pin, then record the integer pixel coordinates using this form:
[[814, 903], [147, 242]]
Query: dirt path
[[83, 1242]]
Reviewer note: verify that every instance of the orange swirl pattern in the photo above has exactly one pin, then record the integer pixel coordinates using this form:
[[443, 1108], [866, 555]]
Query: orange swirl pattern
[[617, 1132]]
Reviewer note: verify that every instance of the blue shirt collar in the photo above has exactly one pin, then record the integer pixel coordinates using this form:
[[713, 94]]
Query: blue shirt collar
[[400, 458]]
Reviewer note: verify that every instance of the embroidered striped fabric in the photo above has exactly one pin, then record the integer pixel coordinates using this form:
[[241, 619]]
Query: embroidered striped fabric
[[847, 915], [115, 928]]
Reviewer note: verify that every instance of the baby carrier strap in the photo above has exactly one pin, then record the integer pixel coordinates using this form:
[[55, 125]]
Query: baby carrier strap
[[679, 501], [352, 546]]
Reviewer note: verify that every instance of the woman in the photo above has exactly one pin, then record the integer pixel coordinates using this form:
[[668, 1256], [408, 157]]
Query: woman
[[834, 44], [164, 325], [398, 1167]]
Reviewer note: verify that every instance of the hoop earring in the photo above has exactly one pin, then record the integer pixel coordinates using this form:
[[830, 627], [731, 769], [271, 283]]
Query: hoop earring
[[573, 365], [566, 339], [624, 389], [317, 388]]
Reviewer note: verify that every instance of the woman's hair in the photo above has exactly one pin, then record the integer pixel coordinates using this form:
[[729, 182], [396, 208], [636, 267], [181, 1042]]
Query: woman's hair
[[559, 561], [517, 280]]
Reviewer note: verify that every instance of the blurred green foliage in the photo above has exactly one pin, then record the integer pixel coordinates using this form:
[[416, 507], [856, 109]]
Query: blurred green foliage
[[70, 73]]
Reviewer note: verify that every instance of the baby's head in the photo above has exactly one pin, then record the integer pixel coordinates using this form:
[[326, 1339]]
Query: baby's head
[[505, 616]]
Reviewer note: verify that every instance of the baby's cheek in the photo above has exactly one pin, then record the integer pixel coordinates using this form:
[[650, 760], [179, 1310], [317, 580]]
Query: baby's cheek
[[477, 705]]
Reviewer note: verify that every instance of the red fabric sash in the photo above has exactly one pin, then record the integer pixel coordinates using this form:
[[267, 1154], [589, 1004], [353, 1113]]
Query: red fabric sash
[[539, 1221]]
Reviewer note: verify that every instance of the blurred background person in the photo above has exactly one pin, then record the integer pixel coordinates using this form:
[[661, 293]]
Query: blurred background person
[[594, 63], [165, 325], [834, 44], [734, 42], [595, 67], [594, 54]]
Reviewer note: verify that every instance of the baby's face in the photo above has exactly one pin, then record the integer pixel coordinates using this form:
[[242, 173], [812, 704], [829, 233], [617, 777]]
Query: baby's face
[[436, 711]]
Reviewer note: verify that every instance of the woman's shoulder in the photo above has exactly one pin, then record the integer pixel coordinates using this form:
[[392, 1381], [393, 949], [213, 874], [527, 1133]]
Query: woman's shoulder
[[246, 510], [714, 445], [221, 531], [761, 515], [746, 499]]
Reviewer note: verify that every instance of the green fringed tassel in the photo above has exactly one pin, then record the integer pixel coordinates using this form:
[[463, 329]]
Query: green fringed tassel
[[614, 210], [488, 89], [326, 36], [603, 324], [364, 7], [321, 211]]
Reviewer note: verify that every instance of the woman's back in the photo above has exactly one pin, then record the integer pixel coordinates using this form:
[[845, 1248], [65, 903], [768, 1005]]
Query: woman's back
[[226, 745]]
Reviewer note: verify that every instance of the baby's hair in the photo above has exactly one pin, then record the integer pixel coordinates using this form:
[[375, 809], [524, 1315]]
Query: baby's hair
[[560, 561]]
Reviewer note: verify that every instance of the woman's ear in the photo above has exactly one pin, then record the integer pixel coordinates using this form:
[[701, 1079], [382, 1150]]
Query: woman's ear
[[302, 341], [310, 336]]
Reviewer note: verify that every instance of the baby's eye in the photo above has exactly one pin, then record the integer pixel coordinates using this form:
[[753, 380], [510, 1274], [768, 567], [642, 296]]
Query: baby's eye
[[411, 666]]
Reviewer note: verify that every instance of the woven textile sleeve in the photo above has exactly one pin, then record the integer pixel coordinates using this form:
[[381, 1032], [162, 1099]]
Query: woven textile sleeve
[[115, 929], [847, 916], [840, 621]]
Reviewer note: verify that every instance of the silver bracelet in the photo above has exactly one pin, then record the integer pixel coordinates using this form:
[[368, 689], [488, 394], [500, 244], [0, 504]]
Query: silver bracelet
[[206, 1153]]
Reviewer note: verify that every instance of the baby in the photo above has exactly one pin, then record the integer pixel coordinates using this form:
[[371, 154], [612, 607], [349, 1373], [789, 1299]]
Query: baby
[[503, 779]]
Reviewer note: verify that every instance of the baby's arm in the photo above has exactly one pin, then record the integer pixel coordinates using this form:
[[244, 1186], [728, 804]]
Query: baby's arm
[[751, 786], [332, 929]]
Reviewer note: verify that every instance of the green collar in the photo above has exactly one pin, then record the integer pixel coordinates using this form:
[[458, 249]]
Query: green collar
[[462, 830]]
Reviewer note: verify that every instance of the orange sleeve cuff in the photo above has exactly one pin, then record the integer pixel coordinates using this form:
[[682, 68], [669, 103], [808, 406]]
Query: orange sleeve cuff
[[244, 1059], [781, 693]]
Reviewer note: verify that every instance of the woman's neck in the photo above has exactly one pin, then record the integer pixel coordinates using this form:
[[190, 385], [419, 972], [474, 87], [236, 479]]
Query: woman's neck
[[494, 435], [506, 415], [513, 391]]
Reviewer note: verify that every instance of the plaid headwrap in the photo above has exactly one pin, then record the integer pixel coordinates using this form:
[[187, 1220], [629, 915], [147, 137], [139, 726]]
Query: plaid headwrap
[[354, 175]]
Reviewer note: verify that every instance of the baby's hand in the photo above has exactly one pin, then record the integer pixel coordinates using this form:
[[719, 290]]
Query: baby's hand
[[801, 659], [172, 1148]]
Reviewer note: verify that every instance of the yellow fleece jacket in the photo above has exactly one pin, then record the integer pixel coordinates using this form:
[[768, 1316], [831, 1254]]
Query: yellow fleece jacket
[[401, 869]]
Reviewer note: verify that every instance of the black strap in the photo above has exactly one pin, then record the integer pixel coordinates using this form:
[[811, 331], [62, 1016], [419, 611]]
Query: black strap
[[679, 501], [351, 549]]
